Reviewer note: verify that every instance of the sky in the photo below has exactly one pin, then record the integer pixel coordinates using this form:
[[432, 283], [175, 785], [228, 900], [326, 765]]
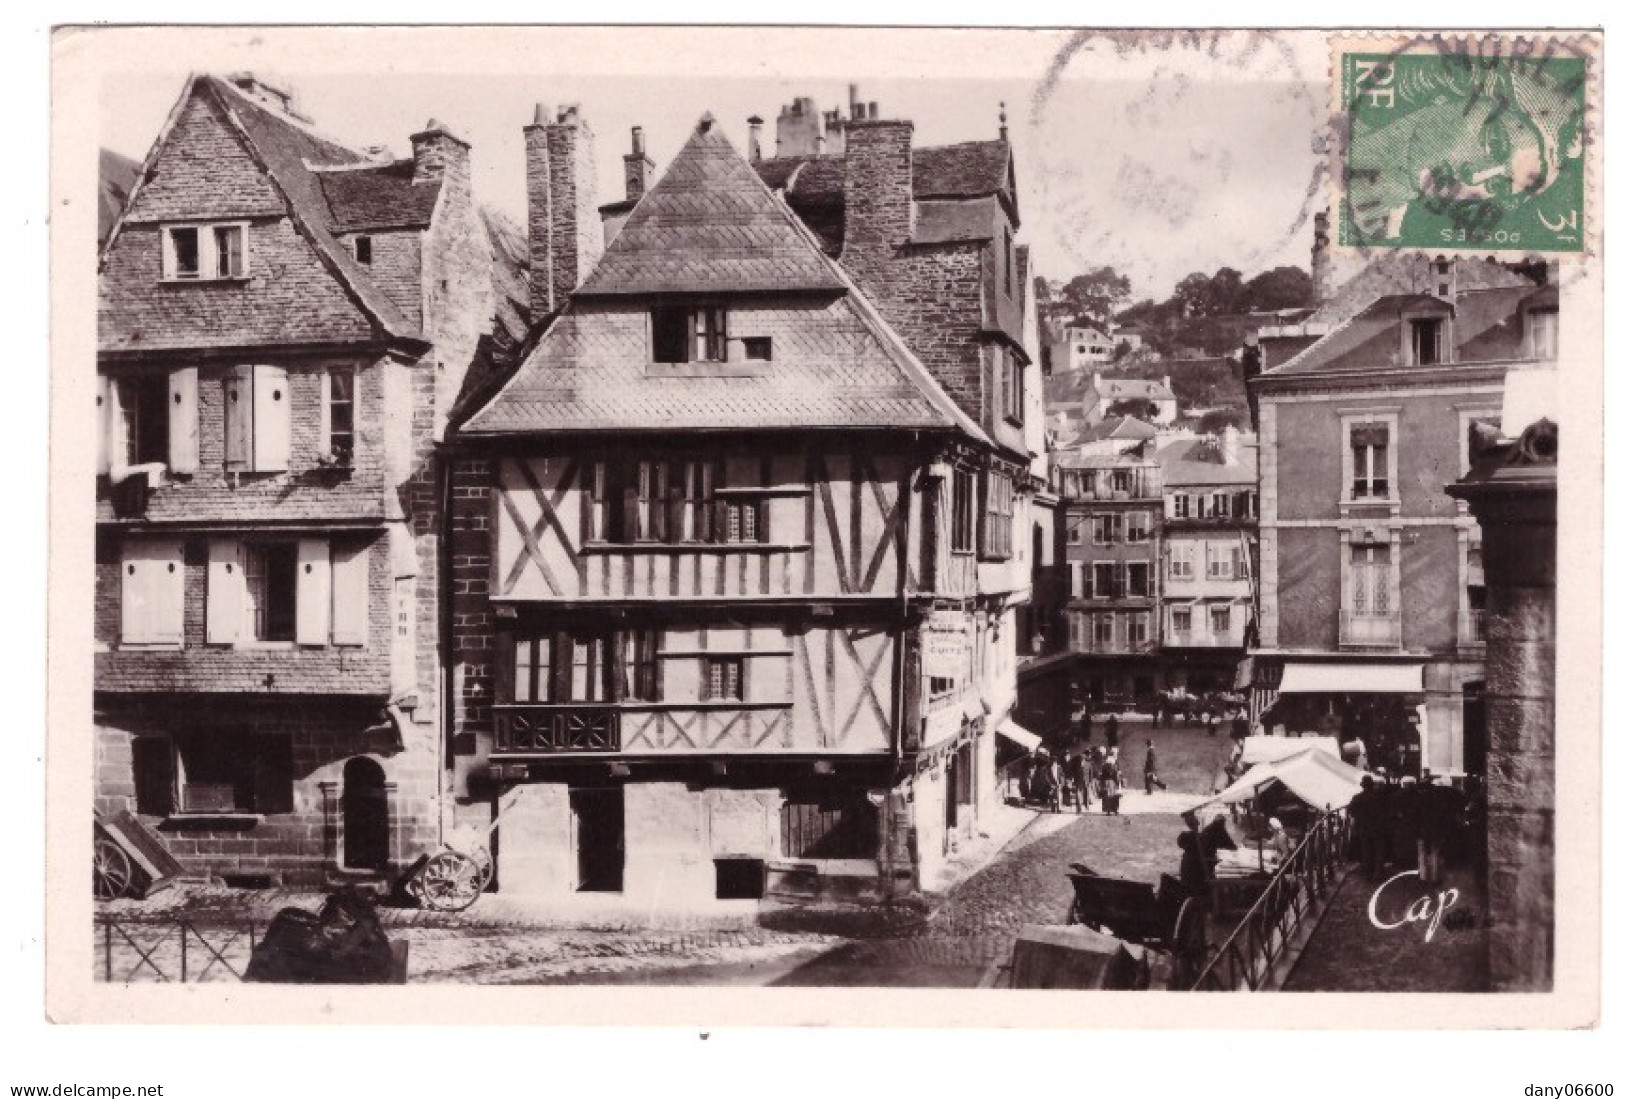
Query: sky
[[1158, 153]]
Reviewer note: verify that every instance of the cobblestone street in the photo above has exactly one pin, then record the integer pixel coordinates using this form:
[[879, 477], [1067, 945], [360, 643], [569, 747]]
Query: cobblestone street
[[958, 939]]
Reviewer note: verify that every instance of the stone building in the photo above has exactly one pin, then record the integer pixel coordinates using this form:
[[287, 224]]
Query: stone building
[[739, 549], [1113, 523], [1210, 529], [1511, 488], [284, 323], [1371, 576]]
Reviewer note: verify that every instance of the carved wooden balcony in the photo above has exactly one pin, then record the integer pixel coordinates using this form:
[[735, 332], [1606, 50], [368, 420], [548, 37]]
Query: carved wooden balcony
[[542, 729]]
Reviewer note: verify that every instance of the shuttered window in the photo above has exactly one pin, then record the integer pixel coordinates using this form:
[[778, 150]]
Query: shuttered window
[[152, 596], [349, 594], [308, 591], [222, 770], [258, 419]]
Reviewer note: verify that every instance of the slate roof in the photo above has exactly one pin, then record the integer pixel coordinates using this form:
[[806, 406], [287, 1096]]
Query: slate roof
[[1370, 338], [1409, 273], [710, 224], [286, 148], [1194, 461], [842, 368], [971, 169], [1115, 427], [382, 197]]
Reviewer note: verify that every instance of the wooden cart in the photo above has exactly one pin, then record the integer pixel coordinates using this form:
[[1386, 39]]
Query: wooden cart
[[1164, 918]]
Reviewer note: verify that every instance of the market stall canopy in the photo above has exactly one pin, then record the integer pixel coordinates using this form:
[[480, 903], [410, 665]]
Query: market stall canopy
[[1017, 735], [1351, 678], [1268, 749], [1313, 777]]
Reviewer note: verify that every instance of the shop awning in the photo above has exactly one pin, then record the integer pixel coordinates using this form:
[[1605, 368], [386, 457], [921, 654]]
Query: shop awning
[[1349, 678], [1315, 778], [1269, 749], [1017, 735]]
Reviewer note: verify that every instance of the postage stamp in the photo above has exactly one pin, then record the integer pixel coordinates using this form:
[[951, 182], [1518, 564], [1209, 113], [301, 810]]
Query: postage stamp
[[1465, 142]]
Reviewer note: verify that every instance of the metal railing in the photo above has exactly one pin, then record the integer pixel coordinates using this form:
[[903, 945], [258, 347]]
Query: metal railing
[[1310, 872], [176, 950]]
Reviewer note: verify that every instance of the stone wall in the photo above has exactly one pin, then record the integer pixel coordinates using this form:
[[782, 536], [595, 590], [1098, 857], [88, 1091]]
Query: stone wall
[[1520, 572], [300, 847]]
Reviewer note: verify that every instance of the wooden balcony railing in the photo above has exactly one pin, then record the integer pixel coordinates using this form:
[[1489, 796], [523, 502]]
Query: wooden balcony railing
[[573, 727]]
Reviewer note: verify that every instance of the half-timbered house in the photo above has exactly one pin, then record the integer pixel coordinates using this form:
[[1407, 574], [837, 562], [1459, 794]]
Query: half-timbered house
[[720, 553], [284, 323]]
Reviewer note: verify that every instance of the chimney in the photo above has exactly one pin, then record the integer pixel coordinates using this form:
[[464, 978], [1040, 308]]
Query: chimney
[[1320, 259], [438, 153], [1168, 382], [566, 235], [879, 185], [638, 167], [755, 124], [1229, 445]]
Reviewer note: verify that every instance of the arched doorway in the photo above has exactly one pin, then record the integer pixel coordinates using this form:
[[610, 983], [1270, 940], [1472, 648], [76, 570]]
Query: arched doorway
[[365, 807]]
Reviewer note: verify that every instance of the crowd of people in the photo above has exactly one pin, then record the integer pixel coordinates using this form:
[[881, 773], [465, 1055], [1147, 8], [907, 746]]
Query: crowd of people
[[1415, 824], [1074, 779]]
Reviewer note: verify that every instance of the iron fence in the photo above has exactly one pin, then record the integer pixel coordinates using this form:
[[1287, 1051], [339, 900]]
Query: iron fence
[[175, 950], [1309, 874]]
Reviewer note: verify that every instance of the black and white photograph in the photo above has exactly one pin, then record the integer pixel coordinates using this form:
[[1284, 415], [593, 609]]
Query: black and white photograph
[[671, 509]]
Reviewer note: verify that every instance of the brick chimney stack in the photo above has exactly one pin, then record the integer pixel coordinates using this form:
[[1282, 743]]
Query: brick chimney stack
[[638, 167], [1320, 260], [755, 124], [879, 185], [438, 153], [561, 187]]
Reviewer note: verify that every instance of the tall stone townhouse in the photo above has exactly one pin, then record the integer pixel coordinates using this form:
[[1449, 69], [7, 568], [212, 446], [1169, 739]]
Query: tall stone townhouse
[[738, 549], [1372, 578], [284, 324]]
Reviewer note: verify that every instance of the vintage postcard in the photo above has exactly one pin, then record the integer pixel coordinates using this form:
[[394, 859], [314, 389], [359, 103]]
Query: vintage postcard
[[779, 523]]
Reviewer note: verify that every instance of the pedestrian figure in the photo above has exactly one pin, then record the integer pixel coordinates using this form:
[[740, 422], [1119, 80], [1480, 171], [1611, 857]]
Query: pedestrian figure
[[1024, 778], [1110, 789], [1434, 810], [1151, 778], [1365, 810], [1085, 729], [1211, 720], [1111, 730], [1238, 727], [1054, 785]]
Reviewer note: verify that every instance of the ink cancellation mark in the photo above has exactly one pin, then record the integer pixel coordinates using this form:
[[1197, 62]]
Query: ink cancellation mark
[[1464, 143]]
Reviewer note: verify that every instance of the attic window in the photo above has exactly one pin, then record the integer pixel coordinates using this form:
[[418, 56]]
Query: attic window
[[685, 334], [758, 347], [1427, 341], [363, 250], [199, 253]]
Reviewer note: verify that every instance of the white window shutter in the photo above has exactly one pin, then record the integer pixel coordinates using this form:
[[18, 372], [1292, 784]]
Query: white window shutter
[[350, 595], [226, 590], [183, 420], [166, 609], [152, 592], [118, 430], [134, 599], [272, 421], [104, 422], [313, 613]]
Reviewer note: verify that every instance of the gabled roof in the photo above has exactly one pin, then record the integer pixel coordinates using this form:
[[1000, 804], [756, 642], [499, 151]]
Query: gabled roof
[[1196, 462], [288, 151], [1370, 338], [1115, 427], [1410, 273], [291, 153], [709, 224], [848, 368], [971, 169], [1131, 389], [380, 197]]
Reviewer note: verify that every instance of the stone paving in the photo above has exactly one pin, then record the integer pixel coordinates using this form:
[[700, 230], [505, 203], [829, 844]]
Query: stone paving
[[1348, 953], [955, 939]]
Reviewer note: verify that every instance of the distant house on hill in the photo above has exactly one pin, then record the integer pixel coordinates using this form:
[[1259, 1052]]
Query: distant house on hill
[[1080, 346], [1088, 398], [1113, 435]]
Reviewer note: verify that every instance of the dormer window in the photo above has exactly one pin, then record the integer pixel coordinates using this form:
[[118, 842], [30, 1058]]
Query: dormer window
[[1543, 333], [690, 334], [1427, 341], [202, 253]]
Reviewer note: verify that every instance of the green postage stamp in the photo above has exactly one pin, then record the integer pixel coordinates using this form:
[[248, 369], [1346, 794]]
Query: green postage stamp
[[1465, 142]]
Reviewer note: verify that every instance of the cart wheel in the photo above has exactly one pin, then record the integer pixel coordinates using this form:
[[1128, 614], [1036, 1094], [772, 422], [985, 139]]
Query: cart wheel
[[451, 881], [111, 873], [1189, 943]]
